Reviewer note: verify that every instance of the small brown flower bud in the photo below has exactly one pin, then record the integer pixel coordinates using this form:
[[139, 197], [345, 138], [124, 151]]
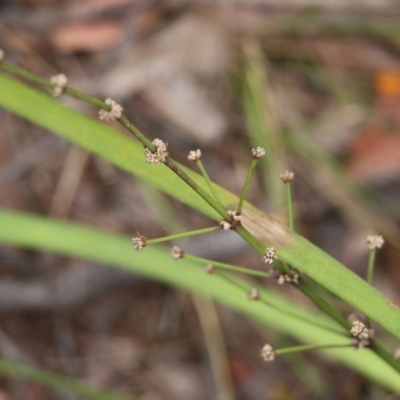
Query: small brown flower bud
[[1, 55], [177, 253], [258, 153], [254, 294], [210, 269], [375, 242], [194, 155], [287, 176], [268, 353]]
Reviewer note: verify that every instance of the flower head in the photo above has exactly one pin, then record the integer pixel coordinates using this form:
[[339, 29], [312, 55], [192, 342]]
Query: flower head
[[210, 269], [234, 214], [359, 330], [287, 176], [268, 353], [139, 243], [225, 225], [60, 82], [254, 294], [375, 242], [114, 113], [160, 155], [194, 155], [177, 253], [258, 153], [270, 255]]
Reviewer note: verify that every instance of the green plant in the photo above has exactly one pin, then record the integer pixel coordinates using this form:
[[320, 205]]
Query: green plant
[[258, 229]]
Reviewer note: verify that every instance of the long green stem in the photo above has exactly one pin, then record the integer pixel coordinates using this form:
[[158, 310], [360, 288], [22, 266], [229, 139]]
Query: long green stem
[[230, 267], [182, 235], [371, 264], [209, 183], [305, 347], [370, 274], [289, 204], [246, 184]]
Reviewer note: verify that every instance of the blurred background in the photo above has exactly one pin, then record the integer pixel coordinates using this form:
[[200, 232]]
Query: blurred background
[[317, 83]]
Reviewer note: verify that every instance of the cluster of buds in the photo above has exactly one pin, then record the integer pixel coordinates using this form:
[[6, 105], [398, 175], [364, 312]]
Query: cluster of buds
[[375, 242], [177, 253], [258, 153], [254, 294], [270, 255], [194, 155], [210, 269], [361, 333], [139, 243], [235, 215], [287, 176], [160, 155], [114, 113], [225, 225], [60, 82], [268, 353], [291, 277]]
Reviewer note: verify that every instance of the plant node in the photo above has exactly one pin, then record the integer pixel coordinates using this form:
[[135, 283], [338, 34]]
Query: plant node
[[115, 111], [160, 155]]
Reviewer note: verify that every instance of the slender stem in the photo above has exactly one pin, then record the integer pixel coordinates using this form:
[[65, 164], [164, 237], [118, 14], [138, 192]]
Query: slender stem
[[305, 347], [371, 263], [370, 274], [181, 235], [289, 204], [209, 183], [227, 266], [246, 184], [200, 191]]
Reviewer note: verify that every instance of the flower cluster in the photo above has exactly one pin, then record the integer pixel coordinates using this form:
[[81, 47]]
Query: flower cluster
[[361, 333], [60, 82], [177, 253], [270, 255], [235, 215], [254, 294], [160, 155], [139, 243], [258, 153], [375, 242], [194, 155], [268, 353], [291, 277], [287, 176], [114, 113]]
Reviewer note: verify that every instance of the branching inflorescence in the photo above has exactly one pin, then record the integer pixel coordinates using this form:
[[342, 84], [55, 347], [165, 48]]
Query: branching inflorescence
[[155, 152]]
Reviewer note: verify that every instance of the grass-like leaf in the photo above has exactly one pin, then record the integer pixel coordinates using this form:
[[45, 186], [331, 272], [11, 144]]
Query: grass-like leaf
[[125, 153], [41, 233], [58, 382]]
